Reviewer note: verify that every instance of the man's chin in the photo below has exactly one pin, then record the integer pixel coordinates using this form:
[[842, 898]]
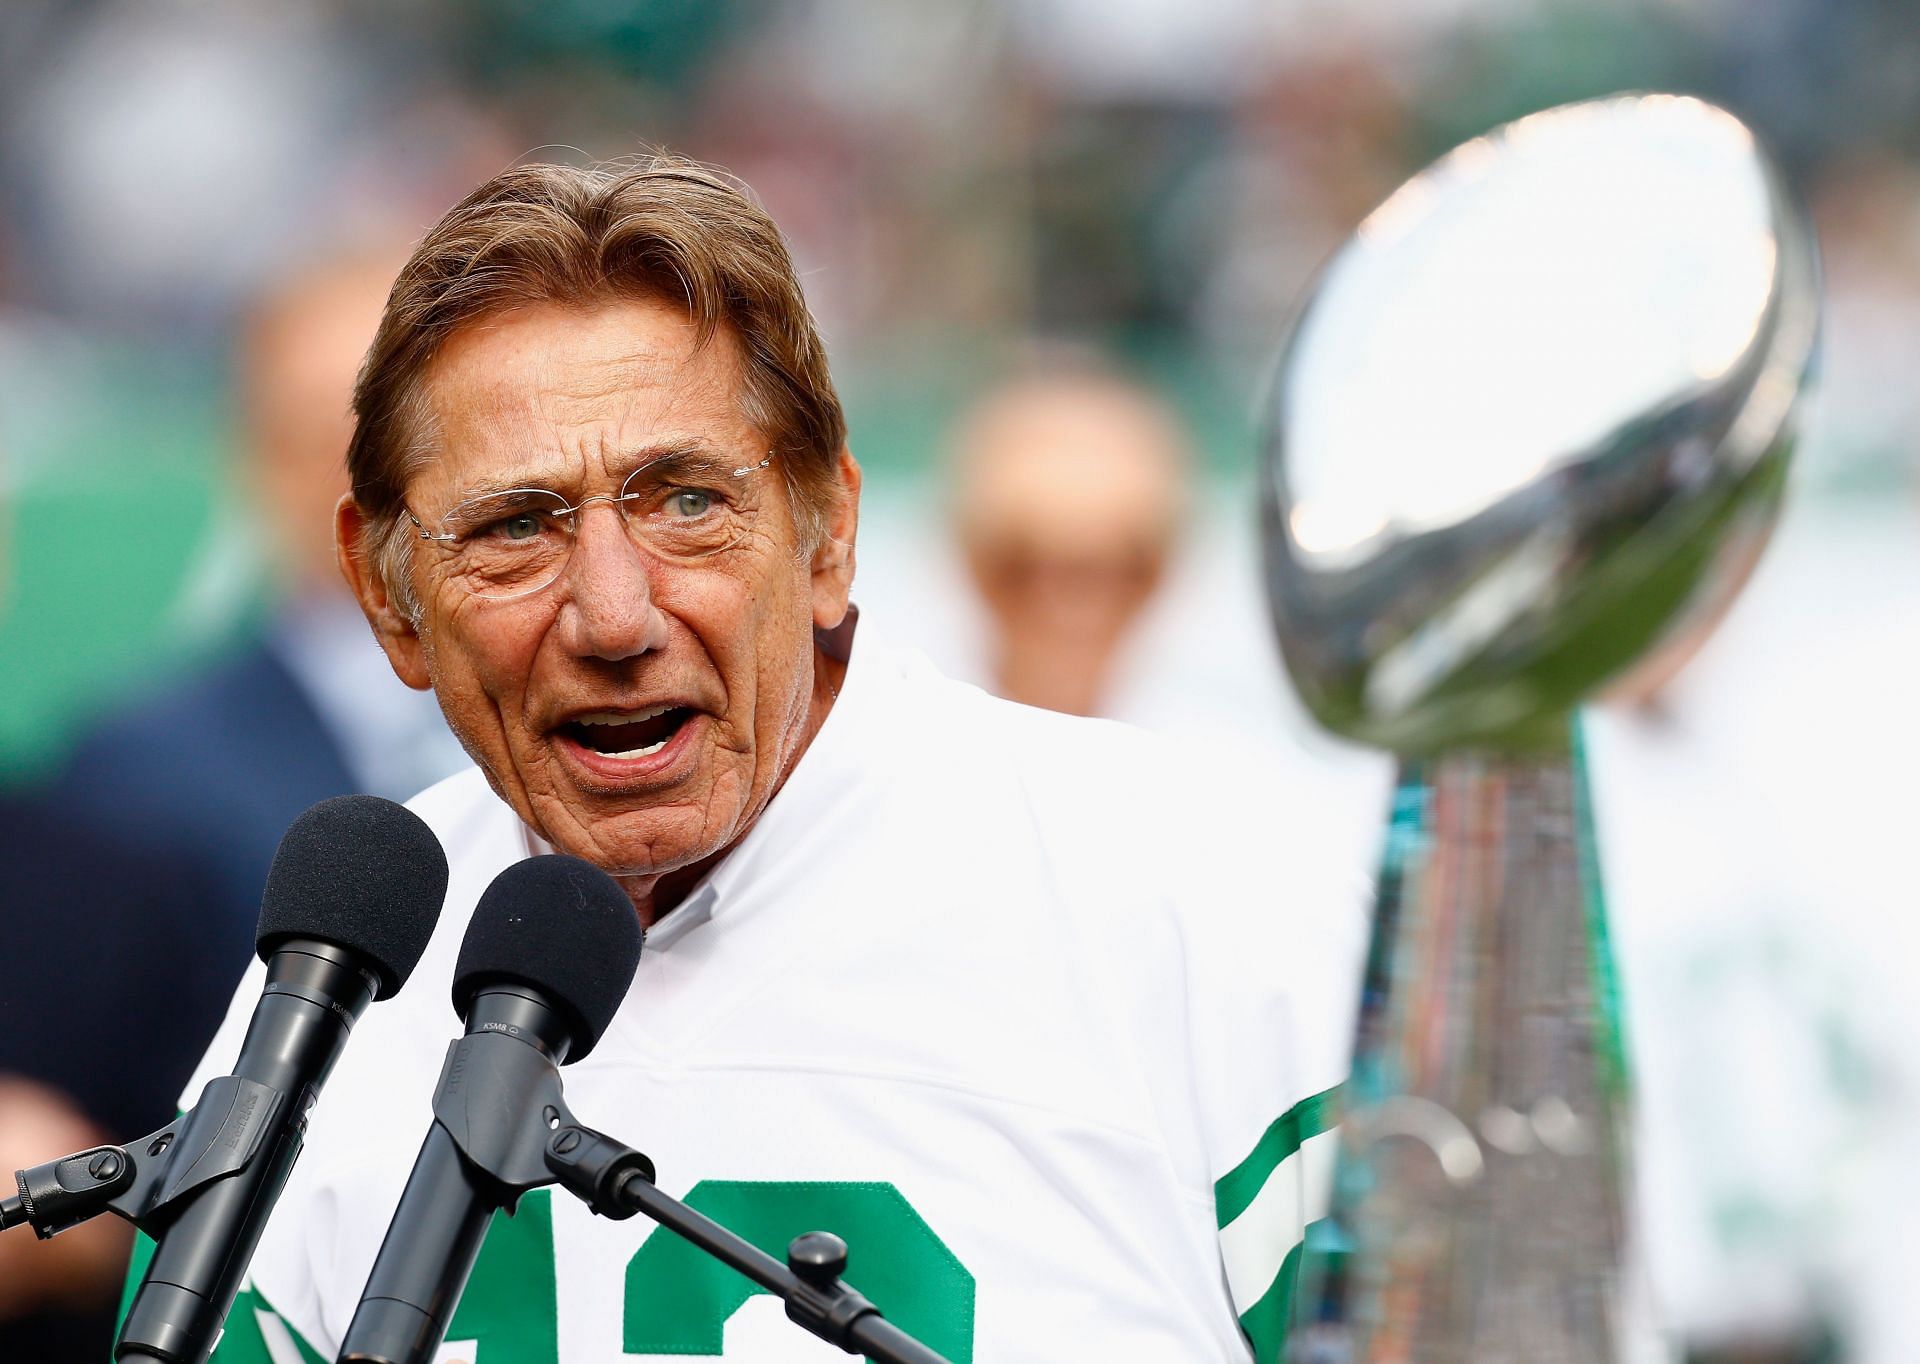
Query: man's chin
[[656, 868], [646, 842]]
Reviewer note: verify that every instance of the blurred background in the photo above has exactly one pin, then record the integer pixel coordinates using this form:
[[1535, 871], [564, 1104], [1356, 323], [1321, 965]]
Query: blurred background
[[1053, 246]]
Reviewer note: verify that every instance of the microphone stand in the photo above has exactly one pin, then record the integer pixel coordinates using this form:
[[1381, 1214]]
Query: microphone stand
[[616, 1181]]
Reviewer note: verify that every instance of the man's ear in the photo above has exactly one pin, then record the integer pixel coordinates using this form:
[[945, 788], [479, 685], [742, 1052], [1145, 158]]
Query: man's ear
[[353, 551], [833, 560]]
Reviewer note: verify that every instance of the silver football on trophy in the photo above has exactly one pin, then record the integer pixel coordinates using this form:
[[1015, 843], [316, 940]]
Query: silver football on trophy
[[1538, 400]]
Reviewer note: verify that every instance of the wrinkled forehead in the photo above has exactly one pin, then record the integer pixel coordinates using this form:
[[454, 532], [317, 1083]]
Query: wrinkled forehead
[[570, 398]]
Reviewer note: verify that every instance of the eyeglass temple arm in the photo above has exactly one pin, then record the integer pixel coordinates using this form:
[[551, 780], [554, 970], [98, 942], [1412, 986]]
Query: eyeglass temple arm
[[426, 534]]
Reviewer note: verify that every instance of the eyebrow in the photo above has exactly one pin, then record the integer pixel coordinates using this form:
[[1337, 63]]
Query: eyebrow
[[687, 460], [691, 462]]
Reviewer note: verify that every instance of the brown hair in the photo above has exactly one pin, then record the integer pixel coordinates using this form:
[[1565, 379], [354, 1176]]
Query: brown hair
[[658, 227]]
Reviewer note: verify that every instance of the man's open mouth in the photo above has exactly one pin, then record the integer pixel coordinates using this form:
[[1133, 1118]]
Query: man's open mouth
[[627, 734]]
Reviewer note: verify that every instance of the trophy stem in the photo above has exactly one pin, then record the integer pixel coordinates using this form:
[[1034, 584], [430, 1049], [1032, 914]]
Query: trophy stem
[[1477, 1208]]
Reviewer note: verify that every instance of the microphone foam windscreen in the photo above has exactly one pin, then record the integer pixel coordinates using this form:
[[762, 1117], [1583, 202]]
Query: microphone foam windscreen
[[562, 926], [361, 873]]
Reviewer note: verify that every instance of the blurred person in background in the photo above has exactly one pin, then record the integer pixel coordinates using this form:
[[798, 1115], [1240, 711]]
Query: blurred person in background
[[217, 765], [1751, 803], [103, 1008], [1102, 574], [1070, 487]]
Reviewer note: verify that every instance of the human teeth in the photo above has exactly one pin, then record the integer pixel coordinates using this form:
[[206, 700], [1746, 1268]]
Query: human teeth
[[614, 717], [640, 752]]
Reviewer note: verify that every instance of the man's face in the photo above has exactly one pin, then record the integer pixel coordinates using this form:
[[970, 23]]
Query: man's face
[[554, 693]]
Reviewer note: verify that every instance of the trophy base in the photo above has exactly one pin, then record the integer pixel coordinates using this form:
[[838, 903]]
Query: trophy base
[[1477, 1209]]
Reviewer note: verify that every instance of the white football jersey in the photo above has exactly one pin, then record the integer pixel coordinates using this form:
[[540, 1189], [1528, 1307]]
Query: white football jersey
[[1040, 1014]]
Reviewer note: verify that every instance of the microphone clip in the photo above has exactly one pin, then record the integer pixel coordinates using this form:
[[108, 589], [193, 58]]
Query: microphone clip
[[596, 1169], [145, 1180], [488, 1074]]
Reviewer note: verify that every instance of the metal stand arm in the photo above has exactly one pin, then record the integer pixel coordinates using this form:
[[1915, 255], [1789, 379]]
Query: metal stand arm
[[617, 1181]]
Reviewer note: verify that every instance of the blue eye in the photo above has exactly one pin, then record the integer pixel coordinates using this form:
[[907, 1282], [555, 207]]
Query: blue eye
[[690, 502]]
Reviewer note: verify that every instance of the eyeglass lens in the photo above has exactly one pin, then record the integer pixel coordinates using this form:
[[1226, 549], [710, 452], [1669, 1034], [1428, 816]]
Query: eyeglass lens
[[511, 543]]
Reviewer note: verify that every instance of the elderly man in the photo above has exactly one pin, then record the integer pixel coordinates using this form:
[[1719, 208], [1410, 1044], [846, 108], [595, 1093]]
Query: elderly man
[[1038, 1014]]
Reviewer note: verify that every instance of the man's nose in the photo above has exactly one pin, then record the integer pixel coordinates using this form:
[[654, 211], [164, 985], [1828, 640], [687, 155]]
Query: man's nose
[[609, 610]]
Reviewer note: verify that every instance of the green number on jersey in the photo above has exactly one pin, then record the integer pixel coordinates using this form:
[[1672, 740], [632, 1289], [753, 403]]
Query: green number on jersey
[[509, 1306], [679, 1298]]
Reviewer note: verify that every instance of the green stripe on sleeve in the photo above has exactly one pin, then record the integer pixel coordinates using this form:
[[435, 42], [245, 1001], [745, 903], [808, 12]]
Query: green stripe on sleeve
[[1267, 1321], [1236, 1189]]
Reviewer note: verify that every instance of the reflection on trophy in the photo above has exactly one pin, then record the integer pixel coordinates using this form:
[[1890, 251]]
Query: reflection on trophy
[[1529, 422]]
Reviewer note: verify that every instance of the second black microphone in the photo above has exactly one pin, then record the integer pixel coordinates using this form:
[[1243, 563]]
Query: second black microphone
[[549, 955]]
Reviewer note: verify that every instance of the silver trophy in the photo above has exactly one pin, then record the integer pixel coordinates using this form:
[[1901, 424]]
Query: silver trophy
[[1529, 425]]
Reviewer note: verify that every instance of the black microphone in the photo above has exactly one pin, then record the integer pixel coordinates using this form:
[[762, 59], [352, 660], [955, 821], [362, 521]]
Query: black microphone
[[350, 903], [549, 954]]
